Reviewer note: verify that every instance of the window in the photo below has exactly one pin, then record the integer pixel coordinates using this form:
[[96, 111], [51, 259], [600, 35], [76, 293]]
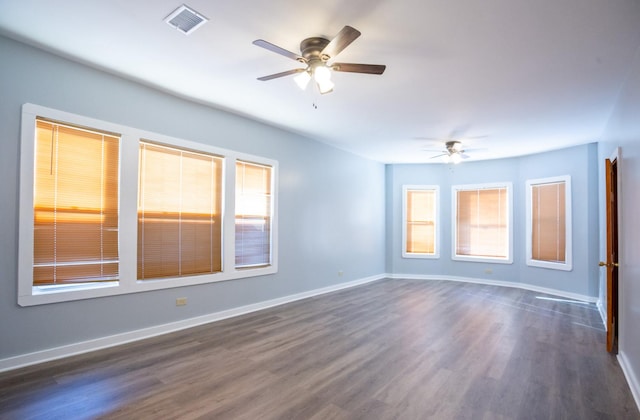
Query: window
[[75, 205], [179, 212], [482, 223], [253, 214], [104, 214], [549, 223], [420, 236]]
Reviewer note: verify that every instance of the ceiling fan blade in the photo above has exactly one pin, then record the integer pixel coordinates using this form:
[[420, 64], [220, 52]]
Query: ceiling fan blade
[[341, 41], [282, 74], [274, 48], [464, 156], [359, 68], [437, 156]]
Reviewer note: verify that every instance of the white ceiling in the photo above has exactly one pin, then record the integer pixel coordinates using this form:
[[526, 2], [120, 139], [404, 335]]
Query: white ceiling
[[509, 77]]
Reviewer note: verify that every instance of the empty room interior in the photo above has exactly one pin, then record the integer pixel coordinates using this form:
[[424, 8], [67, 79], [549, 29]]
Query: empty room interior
[[320, 210]]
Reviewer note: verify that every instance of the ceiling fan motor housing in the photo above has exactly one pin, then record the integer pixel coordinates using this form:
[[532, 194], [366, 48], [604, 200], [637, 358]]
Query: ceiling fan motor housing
[[454, 146], [311, 48]]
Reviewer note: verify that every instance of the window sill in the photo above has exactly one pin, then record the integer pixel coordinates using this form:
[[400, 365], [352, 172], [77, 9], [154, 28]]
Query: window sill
[[420, 256], [45, 295], [493, 260], [550, 265]]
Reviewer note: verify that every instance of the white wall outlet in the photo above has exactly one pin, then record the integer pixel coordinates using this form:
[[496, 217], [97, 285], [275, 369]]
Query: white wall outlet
[[181, 301], [340, 273]]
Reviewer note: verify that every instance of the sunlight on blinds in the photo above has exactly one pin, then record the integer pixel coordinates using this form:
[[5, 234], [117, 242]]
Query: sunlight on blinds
[[253, 214], [548, 222], [481, 219], [179, 212], [421, 214], [75, 205]]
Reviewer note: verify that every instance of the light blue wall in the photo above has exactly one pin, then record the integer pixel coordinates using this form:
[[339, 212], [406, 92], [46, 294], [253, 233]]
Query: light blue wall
[[579, 162], [623, 131], [337, 211], [332, 204]]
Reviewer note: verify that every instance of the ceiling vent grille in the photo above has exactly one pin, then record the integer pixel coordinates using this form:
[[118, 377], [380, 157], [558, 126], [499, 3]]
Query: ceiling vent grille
[[185, 19]]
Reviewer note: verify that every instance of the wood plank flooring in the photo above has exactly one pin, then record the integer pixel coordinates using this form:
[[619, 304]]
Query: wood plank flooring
[[393, 349]]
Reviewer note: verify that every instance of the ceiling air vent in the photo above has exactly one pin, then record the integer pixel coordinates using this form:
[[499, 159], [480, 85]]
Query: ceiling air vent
[[185, 19]]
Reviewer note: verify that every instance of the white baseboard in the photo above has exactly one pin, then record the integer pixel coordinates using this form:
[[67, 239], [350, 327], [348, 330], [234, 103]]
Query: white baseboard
[[560, 293], [123, 338], [127, 337], [603, 315], [632, 379]]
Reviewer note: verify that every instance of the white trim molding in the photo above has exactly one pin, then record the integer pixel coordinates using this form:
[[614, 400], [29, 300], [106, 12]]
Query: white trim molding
[[567, 264], [46, 355], [524, 286], [632, 379], [455, 189], [437, 223], [602, 313]]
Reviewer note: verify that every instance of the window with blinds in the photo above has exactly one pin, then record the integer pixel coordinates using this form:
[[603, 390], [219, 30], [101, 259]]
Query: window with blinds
[[75, 207], [179, 212], [549, 220], [87, 229], [253, 214], [420, 221], [482, 222]]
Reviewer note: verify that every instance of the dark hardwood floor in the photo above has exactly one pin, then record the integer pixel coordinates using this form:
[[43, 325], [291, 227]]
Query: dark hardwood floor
[[393, 349]]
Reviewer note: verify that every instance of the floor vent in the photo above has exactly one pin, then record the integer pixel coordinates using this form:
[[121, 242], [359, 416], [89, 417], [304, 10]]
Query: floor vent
[[185, 19]]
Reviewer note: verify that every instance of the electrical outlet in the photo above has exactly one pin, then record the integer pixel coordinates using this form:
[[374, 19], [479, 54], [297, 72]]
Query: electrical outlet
[[488, 271], [340, 273], [181, 301]]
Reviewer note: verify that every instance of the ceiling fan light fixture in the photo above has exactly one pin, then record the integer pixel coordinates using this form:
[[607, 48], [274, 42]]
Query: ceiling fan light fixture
[[455, 158], [325, 86], [322, 76], [321, 73], [302, 80]]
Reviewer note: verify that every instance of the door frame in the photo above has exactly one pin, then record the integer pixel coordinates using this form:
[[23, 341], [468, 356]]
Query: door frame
[[612, 205]]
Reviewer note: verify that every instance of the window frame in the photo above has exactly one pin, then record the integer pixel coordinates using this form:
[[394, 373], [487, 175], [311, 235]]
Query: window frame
[[148, 218], [76, 204], [568, 264], [29, 295], [454, 225], [436, 245], [269, 217]]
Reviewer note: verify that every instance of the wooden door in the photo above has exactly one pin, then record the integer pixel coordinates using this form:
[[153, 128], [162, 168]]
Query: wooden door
[[612, 254]]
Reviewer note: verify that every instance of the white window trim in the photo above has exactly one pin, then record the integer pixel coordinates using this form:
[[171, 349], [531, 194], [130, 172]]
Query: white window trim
[[29, 295], [405, 189], [568, 264], [454, 230]]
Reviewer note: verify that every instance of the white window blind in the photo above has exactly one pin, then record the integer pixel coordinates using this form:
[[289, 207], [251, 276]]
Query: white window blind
[[549, 224], [482, 222], [253, 214], [75, 205], [179, 212], [420, 221]]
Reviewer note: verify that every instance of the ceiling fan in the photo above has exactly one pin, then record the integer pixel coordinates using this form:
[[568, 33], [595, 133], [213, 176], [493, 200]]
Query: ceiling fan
[[316, 52], [453, 153]]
